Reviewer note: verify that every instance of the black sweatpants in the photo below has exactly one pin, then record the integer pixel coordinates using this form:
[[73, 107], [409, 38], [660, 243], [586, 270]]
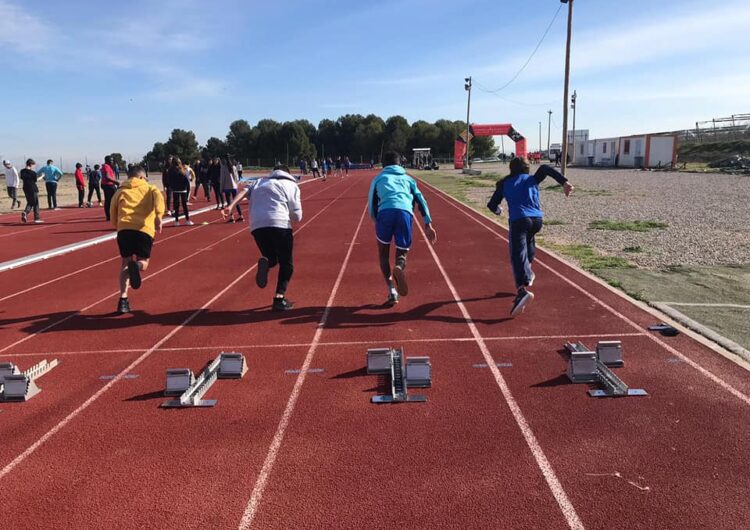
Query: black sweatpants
[[522, 243], [13, 194], [229, 197], [81, 191], [51, 194], [94, 187], [216, 186], [109, 192], [177, 198], [277, 245], [32, 203]]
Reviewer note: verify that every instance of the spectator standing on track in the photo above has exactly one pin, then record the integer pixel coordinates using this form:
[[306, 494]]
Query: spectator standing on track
[[274, 205], [314, 168], [229, 180], [165, 183], [339, 166], [109, 184], [239, 170], [199, 179], [179, 185], [95, 179], [80, 183], [11, 183], [136, 212], [347, 165], [328, 163], [521, 191], [391, 201], [29, 178], [214, 175], [52, 176]]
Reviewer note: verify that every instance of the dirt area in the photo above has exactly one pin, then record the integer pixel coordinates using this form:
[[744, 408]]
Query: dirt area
[[660, 237]]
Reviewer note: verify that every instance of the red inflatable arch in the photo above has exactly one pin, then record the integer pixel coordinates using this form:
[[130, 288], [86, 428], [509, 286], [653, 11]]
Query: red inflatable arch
[[496, 129]]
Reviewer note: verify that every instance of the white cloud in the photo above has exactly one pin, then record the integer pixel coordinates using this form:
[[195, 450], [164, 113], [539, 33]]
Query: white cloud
[[21, 31]]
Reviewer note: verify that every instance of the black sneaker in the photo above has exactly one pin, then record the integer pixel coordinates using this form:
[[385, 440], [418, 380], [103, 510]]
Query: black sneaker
[[522, 300], [261, 276], [123, 306], [282, 304], [399, 277], [392, 300], [134, 273]]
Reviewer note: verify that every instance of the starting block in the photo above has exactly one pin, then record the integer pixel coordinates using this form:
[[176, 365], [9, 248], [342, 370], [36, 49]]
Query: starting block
[[587, 366], [190, 389], [17, 386], [405, 373]]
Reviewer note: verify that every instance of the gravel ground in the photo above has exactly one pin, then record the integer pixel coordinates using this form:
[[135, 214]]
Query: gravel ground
[[708, 215]]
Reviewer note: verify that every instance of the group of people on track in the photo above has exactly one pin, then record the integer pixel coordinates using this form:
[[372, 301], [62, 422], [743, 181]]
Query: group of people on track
[[275, 203], [325, 167]]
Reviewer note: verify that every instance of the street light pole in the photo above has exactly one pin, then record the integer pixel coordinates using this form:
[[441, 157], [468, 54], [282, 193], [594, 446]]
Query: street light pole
[[467, 87], [540, 138], [573, 106], [564, 161], [549, 123]]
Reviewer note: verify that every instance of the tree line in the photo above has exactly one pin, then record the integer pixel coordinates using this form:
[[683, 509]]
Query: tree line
[[361, 138]]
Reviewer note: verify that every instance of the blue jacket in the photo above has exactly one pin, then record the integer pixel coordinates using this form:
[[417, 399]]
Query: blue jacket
[[394, 189], [521, 192], [51, 173]]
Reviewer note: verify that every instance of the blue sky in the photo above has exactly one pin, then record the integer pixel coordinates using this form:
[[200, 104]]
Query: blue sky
[[83, 78]]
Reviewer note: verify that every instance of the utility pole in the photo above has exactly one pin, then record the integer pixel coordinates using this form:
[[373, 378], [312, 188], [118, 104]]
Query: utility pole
[[573, 106], [467, 87], [564, 161], [540, 139], [549, 124]]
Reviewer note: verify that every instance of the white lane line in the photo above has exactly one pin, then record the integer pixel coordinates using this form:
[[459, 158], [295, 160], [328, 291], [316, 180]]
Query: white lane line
[[569, 512], [322, 344], [79, 271], [73, 314], [708, 374], [273, 451], [54, 430], [67, 249], [700, 304]]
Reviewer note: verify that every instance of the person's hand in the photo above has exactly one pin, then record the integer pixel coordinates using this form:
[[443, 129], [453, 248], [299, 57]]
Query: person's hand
[[224, 213], [157, 224], [431, 234], [568, 189]]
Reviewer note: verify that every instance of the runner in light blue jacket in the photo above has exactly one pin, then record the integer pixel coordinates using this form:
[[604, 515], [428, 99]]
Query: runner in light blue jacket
[[52, 176], [391, 201]]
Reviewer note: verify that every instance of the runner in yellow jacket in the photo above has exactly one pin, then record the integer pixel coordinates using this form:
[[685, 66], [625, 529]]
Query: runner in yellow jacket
[[136, 211]]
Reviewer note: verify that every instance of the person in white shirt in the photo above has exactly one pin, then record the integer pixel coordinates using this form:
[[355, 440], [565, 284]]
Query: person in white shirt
[[11, 181], [274, 205]]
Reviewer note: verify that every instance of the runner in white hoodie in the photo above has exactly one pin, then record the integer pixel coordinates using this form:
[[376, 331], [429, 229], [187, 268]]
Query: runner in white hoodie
[[11, 181], [274, 204]]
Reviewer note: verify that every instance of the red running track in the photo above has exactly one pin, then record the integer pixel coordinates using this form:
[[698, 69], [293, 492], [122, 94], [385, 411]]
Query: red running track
[[512, 447]]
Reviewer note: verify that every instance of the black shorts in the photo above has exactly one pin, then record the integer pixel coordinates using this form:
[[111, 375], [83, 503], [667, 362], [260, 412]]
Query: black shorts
[[134, 242]]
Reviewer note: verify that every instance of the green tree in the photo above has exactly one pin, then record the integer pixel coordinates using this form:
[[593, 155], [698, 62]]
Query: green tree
[[296, 143], [240, 140], [327, 137], [268, 145], [368, 139], [156, 156], [183, 145], [482, 146], [118, 161], [215, 147], [397, 134]]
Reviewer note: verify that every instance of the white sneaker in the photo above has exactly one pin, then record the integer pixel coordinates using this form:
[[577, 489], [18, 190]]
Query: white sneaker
[[38, 221], [189, 223], [177, 223], [531, 279]]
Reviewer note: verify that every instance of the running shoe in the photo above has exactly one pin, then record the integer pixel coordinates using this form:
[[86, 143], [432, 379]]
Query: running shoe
[[522, 300], [531, 279], [240, 219], [38, 221], [392, 300], [282, 304], [399, 276], [134, 273], [189, 223], [230, 220], [24, 217], [261, 275], [123, 306]]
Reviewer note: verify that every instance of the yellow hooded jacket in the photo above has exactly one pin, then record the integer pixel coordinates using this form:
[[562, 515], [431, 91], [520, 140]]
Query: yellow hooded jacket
[[136, 205]]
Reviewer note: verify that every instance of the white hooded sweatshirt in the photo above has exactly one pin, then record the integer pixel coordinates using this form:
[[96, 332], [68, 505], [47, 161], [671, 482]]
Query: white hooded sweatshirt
[[275, 201]]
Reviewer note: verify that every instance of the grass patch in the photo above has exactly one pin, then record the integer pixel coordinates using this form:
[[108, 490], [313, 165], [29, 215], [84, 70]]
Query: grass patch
[[476, 183], [579, 191], [626, 226], [632, 250], [555, 222], [588, 257]]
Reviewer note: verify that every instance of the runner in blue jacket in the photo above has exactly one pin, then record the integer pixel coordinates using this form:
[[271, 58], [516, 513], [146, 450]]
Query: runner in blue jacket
[[521, 191], [391, 201]]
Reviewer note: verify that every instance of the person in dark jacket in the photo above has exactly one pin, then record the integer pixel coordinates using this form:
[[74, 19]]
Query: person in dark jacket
[[214, 177], [29, 178], [95, 178], [179, 184]]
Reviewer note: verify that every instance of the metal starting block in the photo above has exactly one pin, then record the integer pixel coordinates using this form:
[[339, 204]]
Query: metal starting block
[[414, 372], [190, 389], [586, 366], [17, 386]]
